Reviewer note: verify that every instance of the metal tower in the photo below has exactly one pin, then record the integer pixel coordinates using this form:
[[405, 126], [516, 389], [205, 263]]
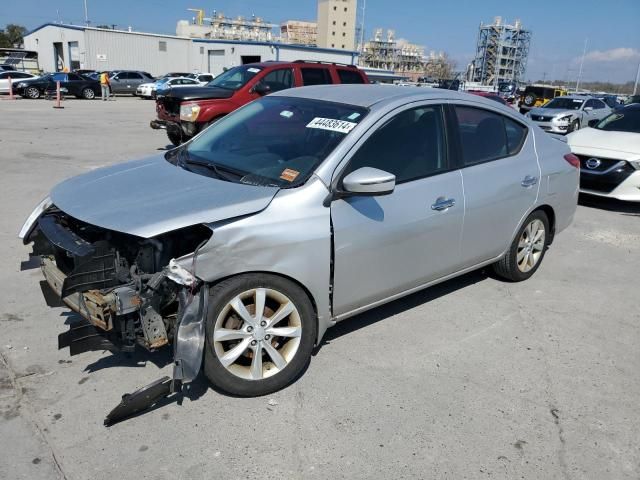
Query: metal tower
[[501, 52]]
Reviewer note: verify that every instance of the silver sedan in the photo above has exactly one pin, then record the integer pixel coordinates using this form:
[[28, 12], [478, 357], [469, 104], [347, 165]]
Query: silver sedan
[[569, 113], [295, 212]]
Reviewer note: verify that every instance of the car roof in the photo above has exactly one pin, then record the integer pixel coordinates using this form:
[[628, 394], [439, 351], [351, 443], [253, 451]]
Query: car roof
[[369, 95]]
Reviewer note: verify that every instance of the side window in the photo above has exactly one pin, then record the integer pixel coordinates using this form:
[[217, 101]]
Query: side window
[[135, 76], [278, 79], [73, 77], [349, 76], [22, 75], [599, 104], [315, 76], [411, 145], [4, 75], [482, 134], [205, 78], [516, 134]]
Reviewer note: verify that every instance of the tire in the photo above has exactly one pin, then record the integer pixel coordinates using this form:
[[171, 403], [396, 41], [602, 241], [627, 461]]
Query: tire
[[243, 375], [509, 267], [88, 94], [32, 92], [174, 137], [529, 100], [573, 126]]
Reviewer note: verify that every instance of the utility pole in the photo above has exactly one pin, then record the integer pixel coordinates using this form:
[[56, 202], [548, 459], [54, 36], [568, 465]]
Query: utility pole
[[635, 85], [584, 52], [86, 14], [364, 5]]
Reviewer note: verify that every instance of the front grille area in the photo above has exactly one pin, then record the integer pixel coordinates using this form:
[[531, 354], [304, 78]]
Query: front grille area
[[595, 178], [171, 105]]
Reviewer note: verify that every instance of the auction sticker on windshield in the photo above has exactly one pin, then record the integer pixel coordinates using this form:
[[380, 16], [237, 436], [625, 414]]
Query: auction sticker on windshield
[[331, 124], [289, 175]]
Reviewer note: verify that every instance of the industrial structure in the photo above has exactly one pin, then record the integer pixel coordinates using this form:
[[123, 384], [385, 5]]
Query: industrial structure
[[60, 46], [384, 52], [501, 53], [220, 27], [296, 32], [337, 24]]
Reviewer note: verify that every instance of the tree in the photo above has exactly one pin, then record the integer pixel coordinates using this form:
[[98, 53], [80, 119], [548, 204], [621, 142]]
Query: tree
[[440, 66], [12, 35]]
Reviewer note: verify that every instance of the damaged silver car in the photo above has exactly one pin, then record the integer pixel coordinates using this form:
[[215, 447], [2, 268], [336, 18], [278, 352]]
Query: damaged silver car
[[301, 209]]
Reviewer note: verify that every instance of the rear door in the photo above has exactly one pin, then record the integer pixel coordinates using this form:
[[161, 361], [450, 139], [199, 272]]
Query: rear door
[[389, 244], [75, 83], [135, 79], [501, 178]]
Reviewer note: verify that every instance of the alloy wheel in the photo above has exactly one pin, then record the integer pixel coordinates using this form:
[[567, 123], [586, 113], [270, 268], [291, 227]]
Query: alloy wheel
[[530, 246], [257, 333], [33, 92]]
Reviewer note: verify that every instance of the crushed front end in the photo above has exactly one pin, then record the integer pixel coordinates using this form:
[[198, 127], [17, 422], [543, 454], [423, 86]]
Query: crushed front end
[[128, 290]]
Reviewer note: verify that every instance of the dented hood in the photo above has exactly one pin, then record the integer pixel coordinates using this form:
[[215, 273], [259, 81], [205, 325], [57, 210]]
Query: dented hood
[[152, 196]]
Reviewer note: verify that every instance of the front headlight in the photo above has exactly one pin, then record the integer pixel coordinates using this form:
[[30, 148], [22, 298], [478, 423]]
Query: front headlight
[[189, 113], [22, 85], [564, 118], [33, 218]]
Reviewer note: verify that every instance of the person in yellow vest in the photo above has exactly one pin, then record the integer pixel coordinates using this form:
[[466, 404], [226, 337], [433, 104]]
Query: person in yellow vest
[[105, 85]]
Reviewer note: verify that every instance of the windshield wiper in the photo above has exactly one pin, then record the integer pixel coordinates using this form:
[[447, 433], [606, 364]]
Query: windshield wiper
[[216, 169]]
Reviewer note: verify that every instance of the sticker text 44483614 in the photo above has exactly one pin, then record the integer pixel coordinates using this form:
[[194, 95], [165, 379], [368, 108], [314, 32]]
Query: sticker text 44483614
[[331, 124]]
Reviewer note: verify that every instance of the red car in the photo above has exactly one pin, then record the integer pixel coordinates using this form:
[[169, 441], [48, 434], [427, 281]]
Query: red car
[[490, 95], [186, 111]]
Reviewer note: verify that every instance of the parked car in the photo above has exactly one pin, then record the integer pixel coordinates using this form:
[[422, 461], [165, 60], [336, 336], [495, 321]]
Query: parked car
[[149, 90], [490, 95], [127, 81], [70, 83], [537, 95], [16, 77], [297, 211], [632, 99], [610, 100], [609, 154], [187, 111], [201, 78], [569, 113]]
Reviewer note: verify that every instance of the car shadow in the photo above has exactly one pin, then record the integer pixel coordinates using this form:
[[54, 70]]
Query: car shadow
[[401, 305], [609, 204]]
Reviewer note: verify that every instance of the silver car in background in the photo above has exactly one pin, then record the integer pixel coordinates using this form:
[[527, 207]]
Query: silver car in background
[[297, 211], [569, 113]]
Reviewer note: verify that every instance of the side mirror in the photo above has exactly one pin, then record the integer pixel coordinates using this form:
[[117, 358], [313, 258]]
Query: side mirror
[[261, 88], [587, 109], [593, 123], [369, 181]]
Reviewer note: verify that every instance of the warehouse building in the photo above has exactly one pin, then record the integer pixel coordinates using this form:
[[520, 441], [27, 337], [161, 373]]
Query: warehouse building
[[75, 47]]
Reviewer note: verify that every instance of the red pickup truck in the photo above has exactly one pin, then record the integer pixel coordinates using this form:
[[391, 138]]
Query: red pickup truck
[[186, 111]]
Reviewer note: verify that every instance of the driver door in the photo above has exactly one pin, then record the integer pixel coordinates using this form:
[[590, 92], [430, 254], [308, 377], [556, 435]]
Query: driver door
[[386, 245]]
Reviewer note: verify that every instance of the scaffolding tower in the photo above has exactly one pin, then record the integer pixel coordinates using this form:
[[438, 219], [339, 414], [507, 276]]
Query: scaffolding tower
[[501, 53], [383, 51]]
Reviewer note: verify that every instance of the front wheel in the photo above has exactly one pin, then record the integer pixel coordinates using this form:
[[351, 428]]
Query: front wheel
[[175, 137], [527, 250], [260, 332], [32, 92], [575, 125]]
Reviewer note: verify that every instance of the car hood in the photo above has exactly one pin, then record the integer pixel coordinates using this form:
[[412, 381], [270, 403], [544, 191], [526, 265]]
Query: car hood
[[551, 112], [152, 196], [591, 141], [199, 93]]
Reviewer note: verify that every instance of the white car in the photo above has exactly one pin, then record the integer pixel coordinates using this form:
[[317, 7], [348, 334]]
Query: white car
[[15, 78], [148, 90], [609, 154], [202, 78]]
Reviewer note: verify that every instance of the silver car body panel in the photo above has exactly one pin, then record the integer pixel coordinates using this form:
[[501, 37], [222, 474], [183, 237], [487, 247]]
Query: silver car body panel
[[152, 196]]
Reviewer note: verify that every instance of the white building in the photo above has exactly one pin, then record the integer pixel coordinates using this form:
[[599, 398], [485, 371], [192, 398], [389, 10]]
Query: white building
[[337, 24], [76, 47]]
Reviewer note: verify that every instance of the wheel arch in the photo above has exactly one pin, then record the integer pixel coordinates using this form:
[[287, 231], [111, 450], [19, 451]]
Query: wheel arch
[[551, 216], [319, 330]]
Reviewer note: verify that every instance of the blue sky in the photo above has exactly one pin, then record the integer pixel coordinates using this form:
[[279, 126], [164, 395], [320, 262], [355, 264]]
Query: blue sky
[[559, 27]]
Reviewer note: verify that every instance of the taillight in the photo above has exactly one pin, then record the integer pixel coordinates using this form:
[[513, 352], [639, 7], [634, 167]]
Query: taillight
[[573, 160]]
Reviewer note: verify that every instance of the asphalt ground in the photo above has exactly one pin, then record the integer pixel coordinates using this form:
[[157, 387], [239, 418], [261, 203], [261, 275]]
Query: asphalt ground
[[474, 378]]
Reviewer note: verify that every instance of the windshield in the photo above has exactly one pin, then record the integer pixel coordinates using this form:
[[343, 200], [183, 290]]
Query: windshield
[[162, 81], [274, 141], [234, 78], [565, 103], [505, 87], [627, 120]]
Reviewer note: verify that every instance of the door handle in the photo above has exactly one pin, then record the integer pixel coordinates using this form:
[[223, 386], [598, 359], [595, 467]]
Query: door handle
[[529, 181], [443, 203]]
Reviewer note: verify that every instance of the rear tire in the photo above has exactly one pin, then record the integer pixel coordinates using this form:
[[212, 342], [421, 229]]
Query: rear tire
[[231, 360], [527, 249]]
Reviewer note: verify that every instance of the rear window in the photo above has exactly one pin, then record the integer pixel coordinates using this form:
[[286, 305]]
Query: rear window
[[486, 135], [349, 76], [316, 76]]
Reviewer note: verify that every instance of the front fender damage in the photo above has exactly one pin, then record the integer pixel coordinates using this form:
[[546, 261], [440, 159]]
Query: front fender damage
[[188, 349]]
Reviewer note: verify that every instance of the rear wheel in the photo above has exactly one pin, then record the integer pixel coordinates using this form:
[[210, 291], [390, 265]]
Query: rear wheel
[[527, 250], [529, 99], [88, 94], [32, 92], [260, 333]]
